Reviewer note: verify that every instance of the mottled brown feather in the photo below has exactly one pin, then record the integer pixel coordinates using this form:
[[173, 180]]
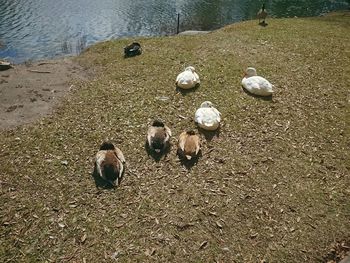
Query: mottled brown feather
[[189, 143]]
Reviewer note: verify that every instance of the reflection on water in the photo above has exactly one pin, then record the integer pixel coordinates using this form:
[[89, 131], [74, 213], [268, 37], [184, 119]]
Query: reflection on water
[[37, 29]]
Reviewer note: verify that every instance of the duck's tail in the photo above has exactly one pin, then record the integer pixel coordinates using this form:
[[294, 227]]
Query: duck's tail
[[188, 157]]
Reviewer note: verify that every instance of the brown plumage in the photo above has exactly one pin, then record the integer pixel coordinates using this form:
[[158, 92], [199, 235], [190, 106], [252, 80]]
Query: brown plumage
[[189, 144], [110, 163], [262, 14], [158, 136]]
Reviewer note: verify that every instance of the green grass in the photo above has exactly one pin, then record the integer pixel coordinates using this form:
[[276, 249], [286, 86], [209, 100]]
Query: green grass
[[273, 185]]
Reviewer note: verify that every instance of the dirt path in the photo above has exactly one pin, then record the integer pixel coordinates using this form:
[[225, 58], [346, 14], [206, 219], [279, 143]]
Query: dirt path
[[30, 91]]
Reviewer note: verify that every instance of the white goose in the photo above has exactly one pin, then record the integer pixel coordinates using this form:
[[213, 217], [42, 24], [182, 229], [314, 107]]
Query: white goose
[[207, 117], [110, 163], [255, 84], [187, 79]]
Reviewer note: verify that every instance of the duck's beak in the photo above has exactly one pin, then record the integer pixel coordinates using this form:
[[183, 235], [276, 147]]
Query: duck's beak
[[157, 150]]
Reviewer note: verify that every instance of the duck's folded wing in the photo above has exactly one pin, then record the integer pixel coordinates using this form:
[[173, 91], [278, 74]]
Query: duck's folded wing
[[196, 77], [179, 77], [265, 84], [252, 85], [198, 145], [182, 140], [150, 134], [99, 159], [218, 113], [167, 131], [198, 117], [119, 155], [186, 78]]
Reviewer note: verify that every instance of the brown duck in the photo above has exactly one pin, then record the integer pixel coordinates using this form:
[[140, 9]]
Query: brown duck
[[158, 136], [110, 163], [189, 144]]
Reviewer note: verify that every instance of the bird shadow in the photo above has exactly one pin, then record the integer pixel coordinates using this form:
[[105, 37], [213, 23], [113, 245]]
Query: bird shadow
[[263, 24], [130, 56], [157, 156], [188, 164], [209, 135], [266, 98], [99, 181], [187, 91]]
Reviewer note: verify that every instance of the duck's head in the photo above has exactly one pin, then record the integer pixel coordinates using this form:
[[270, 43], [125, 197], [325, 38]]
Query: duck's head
[[158, 123], [249, 72], [191, 132], [190, 68], [107, 145], [206, 104]]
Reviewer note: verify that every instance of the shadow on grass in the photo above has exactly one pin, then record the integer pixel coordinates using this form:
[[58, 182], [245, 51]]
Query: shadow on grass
[[184, 92], [100, 182], [188, 164], [157, 156], [266, 98], [263, 24], [209, 135]]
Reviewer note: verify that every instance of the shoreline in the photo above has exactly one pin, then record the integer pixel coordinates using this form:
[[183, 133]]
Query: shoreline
[[32, 89], [185, 33]]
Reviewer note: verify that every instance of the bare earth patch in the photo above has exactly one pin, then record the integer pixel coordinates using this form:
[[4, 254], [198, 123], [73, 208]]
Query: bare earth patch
[[32, 90]]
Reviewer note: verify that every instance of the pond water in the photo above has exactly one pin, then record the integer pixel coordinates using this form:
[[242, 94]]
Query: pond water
[[42, 29]]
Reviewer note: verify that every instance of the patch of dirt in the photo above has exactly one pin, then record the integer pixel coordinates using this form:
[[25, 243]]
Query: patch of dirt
[[32, 90]]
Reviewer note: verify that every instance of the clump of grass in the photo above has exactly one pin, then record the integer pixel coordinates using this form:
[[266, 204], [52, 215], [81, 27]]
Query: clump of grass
[[271, 186]]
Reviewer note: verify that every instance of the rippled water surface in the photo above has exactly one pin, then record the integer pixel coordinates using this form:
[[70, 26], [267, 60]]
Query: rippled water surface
[[38, 29]]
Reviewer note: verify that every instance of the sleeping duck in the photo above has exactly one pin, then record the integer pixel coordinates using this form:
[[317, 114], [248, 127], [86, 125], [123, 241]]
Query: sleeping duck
[[207, 117], [187, 79], [255, 84], [110, 163], [189, 145], [4, 65], [158, 136], [132, 50]]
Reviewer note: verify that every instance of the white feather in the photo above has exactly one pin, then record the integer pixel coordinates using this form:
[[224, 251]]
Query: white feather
[[255, 84], [187, 79], [208, 117]]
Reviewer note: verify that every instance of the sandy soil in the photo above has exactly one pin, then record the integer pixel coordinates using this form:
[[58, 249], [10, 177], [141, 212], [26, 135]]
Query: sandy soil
[[32, 90]]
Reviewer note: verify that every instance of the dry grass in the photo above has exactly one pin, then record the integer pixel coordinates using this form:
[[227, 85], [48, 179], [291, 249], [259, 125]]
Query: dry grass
[[273, 185]]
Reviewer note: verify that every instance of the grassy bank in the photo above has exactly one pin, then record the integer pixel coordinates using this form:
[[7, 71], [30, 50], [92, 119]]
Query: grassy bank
[[273, 185]]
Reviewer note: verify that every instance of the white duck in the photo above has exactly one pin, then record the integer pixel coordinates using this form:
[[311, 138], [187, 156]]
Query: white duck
[[187, 79], [255, 84], [110, 163], [207, 117]]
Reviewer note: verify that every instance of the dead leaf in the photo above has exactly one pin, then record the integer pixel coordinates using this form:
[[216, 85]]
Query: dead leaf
[[83, 238], [150, 252], [219, 225], [254, 235], [203, 244]]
